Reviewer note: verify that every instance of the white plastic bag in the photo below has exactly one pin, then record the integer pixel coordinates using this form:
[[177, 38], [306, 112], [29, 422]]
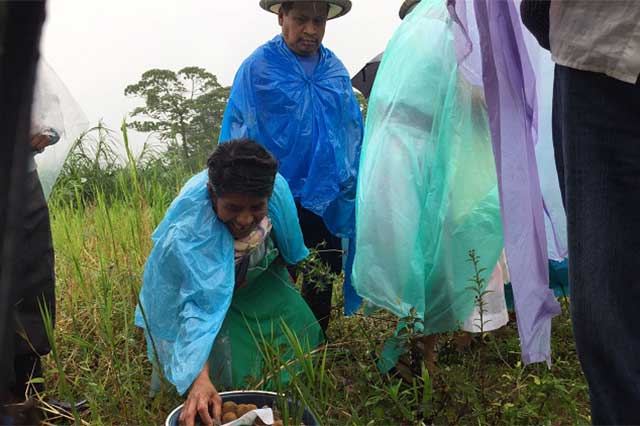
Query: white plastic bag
[[54, 108], [265, 415]]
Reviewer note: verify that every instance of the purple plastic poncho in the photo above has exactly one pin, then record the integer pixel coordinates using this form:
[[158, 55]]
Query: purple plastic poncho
[[491, 49]]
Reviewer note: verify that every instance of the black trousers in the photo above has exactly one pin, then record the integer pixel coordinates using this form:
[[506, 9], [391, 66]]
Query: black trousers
[[596, 132], [34, 285], [315, 234]]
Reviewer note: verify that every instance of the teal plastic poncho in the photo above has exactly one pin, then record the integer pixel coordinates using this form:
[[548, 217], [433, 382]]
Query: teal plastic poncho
[[427, 190], [189, 276], [312, 125]]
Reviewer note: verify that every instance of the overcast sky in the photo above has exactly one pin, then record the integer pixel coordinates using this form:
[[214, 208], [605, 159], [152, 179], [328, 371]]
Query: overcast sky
[[99, 47]]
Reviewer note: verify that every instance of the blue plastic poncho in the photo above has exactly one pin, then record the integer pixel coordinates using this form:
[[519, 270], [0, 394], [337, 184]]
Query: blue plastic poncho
[[427, 190], [189, 276], [312, 125]]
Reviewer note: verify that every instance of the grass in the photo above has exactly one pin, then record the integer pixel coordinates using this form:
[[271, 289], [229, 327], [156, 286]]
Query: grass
[[101, 246]]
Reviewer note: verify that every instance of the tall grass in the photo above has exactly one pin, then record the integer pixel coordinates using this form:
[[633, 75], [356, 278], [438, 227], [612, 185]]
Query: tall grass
[[101, 248], [102, 236]]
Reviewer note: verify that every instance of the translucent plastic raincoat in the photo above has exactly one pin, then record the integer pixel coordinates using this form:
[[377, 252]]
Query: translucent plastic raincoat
[[189, 277], [427, 190], [495, 56], [312, 125], [54, 108]]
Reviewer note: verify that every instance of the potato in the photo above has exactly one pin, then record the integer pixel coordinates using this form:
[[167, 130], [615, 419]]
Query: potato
[[229, 407], [229, 417], [242, 410], [278, 423], [251, 407]]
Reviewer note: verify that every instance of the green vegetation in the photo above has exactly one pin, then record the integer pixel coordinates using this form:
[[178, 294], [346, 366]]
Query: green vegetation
[[183, 109], [104, 209]]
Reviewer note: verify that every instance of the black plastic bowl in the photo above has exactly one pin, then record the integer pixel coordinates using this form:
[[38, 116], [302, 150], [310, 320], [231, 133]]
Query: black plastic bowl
[[259, 398]]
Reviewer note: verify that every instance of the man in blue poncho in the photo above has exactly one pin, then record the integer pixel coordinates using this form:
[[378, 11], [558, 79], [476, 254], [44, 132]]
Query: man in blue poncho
[[294, 96]]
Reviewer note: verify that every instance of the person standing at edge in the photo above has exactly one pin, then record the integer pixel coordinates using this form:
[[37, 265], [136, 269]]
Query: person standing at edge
[[294, 96], [596, 132], [36, 264]]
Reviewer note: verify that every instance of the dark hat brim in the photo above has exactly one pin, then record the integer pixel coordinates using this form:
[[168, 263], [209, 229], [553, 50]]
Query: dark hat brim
[[337, 8]]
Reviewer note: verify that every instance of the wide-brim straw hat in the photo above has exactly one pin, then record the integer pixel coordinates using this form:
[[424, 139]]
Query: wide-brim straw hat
[[337, 8], [406, 7]]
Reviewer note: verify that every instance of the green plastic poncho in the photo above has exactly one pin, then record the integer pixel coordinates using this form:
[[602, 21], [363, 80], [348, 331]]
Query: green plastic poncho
[[427, 189]]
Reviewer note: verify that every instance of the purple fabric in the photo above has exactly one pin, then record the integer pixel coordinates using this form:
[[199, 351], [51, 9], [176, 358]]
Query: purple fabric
[[493, 37]]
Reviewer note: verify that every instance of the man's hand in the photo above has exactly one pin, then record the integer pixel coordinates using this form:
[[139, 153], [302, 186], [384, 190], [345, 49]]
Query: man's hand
[[39, 142], [203, 400]]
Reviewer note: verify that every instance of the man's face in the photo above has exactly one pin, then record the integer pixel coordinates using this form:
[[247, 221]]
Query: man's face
[[303, 26]]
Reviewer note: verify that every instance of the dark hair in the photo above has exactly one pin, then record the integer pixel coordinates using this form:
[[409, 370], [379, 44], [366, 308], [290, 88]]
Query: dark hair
[[242, 166]]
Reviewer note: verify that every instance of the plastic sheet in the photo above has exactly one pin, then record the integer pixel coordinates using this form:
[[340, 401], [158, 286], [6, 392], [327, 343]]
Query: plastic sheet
[[539, 81], [427, 190], [189, 277], [54, 108], [313, 126], [490, 45], [555, 216]]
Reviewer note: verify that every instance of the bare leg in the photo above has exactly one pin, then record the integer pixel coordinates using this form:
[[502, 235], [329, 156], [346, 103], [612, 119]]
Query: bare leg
[[422, 350], [429, 351], [463, 341]]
